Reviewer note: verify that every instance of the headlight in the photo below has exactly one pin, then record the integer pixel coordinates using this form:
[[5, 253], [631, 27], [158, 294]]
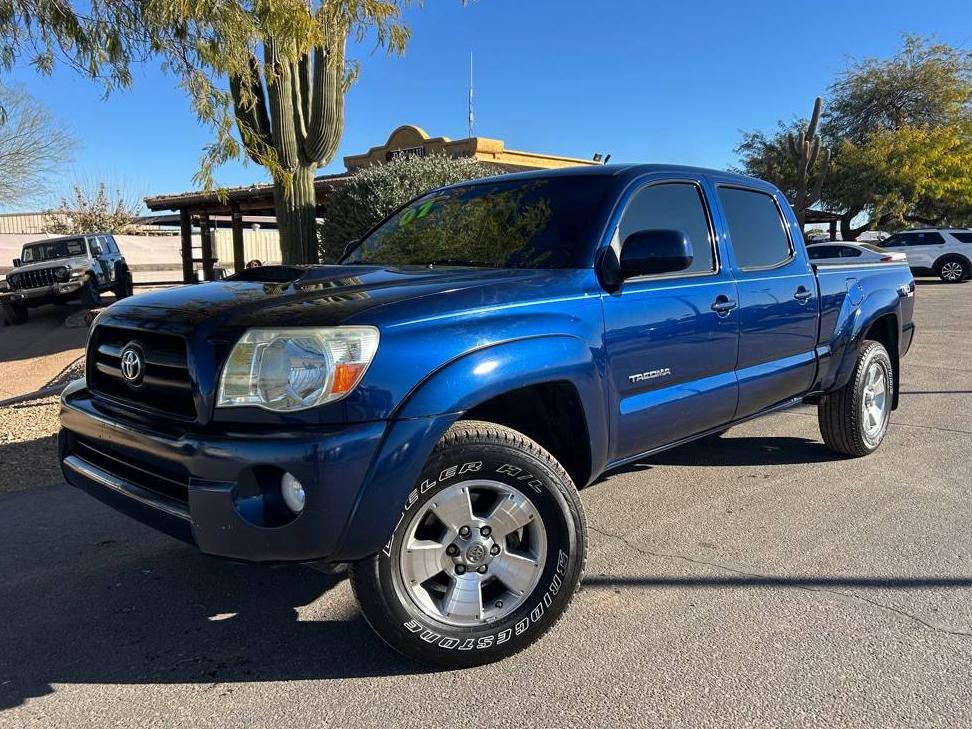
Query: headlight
[[62, 273], [296, 368]]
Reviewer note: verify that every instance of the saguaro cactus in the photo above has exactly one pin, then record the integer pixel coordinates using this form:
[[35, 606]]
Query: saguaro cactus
[[806, 150], [290, 114]]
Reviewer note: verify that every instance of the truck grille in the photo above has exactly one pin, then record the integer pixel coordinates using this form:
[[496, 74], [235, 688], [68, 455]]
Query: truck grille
[[164, 385], [31, 279], [161, 477]]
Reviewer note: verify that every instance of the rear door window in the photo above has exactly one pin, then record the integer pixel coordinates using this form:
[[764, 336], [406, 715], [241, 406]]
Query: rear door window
[[756, 228], [924, 239], [963, 237]]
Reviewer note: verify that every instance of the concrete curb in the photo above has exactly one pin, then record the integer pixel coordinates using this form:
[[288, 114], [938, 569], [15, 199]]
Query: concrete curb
[[35, 395]]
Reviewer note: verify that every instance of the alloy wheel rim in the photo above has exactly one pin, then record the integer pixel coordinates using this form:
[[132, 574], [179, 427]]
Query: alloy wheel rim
[[874, 403], [951, 271], [472, 554]]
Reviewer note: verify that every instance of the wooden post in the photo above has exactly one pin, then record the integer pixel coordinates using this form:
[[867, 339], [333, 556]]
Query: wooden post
[[207, 246], [238, 253], [185, 233]]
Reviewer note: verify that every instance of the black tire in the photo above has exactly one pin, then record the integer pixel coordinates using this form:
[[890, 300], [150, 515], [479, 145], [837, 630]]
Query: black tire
[[491, 454], [123, 282], [841, 414], [16, 314], [90, 296], [953, 270]]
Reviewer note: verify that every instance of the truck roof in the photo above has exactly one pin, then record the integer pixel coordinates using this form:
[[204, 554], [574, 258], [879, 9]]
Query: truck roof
[[624, 171], [54, 239]]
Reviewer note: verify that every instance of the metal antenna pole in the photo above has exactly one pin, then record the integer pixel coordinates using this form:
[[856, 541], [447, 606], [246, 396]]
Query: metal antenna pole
[[472, 117]]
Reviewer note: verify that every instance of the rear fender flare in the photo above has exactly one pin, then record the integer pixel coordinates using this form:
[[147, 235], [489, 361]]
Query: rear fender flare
[[850, 332]]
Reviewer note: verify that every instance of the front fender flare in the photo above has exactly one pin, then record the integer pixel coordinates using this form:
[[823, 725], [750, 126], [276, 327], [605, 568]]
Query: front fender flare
[[441, 399]]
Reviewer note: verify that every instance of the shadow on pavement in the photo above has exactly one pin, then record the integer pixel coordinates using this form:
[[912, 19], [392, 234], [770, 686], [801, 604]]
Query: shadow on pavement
[[935, 392], [33, 460], [936, 282], [90, 597], [43, 334], [727, 450], [797, 581]]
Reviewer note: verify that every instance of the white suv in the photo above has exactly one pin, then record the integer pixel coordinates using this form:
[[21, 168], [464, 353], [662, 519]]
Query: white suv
[[945, 252]]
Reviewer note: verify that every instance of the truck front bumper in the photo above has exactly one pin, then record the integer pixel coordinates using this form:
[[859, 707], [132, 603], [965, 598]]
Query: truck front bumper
[[45, 294], [221, 491]]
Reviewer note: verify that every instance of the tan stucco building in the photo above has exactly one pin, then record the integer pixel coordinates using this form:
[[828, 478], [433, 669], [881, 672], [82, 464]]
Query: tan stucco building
[[408, 140]]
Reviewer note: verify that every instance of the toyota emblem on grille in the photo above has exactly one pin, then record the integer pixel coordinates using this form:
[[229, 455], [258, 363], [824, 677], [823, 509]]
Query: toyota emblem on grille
[[132, 364]]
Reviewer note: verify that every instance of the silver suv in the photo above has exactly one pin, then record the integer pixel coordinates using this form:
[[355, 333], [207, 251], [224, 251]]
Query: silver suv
[[944, 252], [58, 270]]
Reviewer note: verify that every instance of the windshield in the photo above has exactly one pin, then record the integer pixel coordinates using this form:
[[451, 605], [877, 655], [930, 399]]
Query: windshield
[[525, 223], [49, 250]]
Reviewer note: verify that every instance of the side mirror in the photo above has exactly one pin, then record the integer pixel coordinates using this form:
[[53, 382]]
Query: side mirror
[[17, 263], [96, 251], [654, 251]]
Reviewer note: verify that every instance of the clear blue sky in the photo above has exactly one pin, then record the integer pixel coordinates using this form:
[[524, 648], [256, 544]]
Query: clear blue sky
[[645, 80]]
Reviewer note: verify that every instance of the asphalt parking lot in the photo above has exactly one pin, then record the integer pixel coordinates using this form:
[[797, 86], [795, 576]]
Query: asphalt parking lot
[[754, 579]]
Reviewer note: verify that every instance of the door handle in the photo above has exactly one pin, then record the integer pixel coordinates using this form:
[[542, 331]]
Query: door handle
[[723, 305], [803, 295]]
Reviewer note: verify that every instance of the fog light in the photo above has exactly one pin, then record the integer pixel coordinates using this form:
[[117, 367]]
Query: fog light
[[292, 492]]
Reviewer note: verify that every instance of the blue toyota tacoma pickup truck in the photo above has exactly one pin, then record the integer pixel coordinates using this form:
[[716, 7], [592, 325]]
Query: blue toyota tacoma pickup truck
[[427, 409]]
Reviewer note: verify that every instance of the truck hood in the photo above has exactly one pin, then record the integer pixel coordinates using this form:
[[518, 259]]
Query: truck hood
[[328, 295], [73, 262]]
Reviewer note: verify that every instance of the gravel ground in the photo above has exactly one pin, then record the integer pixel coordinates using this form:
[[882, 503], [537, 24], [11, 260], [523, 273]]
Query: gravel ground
[[28, 438], [28, 445]]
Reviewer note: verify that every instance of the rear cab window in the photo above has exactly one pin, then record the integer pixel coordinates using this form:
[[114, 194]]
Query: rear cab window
[[757, 229], [816, 252]]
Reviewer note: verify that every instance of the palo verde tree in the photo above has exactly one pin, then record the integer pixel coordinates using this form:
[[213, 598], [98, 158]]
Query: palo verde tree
[[274, 72]]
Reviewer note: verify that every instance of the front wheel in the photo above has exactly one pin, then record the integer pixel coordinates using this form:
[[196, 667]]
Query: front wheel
[[854, 419], [90, 296], [486, 557]]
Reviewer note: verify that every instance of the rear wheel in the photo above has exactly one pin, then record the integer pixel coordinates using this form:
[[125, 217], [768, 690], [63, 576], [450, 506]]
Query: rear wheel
[[90, 296], [487, 556], [123, 282], [953, 270], [854, 419]]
